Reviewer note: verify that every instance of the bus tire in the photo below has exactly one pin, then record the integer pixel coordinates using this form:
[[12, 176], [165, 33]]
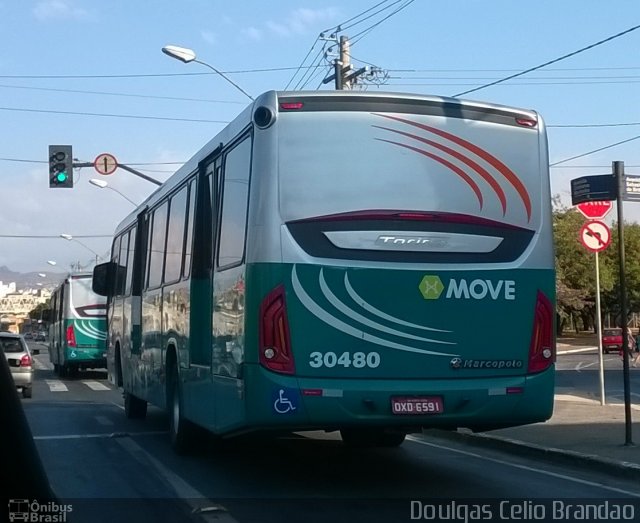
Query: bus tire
[[372, 438], [134, 407], [63, 370], [180, 430]]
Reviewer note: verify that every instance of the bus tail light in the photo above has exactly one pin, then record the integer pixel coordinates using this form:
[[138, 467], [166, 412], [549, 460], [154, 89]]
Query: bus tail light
[[542, 350], [275, 342], [71, 336]]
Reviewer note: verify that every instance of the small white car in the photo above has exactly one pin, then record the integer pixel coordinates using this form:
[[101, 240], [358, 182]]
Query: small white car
[[20, 361]]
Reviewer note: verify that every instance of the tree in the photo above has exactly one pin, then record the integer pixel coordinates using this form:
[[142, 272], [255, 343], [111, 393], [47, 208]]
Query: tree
[[38, 312], [575, 270]]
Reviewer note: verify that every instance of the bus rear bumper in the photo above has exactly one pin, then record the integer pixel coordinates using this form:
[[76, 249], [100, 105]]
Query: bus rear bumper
[[475, 403], [86, 358]]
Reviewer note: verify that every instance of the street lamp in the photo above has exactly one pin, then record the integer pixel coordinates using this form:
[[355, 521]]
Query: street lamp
[[68, 237], [187, 55], [104, 185], [51, 262], [42, 275]]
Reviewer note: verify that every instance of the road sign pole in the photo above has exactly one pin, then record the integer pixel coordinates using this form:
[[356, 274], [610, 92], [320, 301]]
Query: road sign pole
[[599, 327], [618, 173]]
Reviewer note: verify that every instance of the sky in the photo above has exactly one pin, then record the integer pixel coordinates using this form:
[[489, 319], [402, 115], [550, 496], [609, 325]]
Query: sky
[[91, 74]]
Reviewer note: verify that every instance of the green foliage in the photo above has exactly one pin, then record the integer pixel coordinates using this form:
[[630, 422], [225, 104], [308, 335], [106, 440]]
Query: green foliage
[[575, 267], [39, 311]]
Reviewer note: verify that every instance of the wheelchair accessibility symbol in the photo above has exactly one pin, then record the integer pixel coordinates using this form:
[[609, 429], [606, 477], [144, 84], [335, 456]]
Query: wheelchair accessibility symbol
[[285, 401]]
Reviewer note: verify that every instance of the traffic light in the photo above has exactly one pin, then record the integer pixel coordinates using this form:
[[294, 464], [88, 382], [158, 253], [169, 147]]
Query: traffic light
[[60, 166]]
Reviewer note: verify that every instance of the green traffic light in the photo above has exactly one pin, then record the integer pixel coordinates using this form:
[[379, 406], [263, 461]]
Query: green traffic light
[[61, 177]]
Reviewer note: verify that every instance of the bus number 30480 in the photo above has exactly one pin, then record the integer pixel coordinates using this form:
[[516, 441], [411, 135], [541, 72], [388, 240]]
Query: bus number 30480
[[358, 360]]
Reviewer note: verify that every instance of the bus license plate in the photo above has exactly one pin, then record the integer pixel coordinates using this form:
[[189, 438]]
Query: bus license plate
[[417, 406]]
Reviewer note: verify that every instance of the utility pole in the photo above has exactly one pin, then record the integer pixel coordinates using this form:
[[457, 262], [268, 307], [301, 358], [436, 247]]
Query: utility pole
[[345, 59], [343, 75]]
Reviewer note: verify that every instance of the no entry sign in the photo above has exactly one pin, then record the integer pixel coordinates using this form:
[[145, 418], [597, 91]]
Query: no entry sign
[[595, 236]]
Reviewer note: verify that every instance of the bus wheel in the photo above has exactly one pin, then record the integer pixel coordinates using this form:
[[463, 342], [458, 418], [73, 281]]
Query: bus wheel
[[63, 370], [372, 438], [134, 407], [180, 430]]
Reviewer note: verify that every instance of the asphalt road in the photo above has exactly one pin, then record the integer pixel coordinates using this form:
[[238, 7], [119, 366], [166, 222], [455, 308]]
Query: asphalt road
[[110, 469], [578, 374]]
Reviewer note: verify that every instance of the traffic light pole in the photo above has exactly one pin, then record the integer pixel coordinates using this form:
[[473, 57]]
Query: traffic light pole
[[122, 166], [618, 173]]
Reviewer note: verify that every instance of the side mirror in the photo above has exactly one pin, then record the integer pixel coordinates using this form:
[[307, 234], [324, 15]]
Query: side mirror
[[103, 278], [109, 279]]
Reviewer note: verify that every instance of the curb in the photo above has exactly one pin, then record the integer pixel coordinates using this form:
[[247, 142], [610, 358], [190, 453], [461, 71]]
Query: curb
[[554, 455]]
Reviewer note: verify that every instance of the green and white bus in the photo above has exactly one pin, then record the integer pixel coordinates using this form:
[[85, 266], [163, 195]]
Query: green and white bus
[[372, 263], [78, 327]]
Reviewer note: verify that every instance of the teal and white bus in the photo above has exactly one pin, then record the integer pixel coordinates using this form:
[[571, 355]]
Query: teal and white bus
[[78, 327], [372, 263]]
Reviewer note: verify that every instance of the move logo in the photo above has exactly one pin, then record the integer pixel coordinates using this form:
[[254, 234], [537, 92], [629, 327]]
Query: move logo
[[431, 287]]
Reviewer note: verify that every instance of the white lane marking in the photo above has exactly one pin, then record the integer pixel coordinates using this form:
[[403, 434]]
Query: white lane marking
[[95, 385], [56, 386], [581, 365], [102, 435], [524, 467], [103, 420], [577, 351], [198, 502]]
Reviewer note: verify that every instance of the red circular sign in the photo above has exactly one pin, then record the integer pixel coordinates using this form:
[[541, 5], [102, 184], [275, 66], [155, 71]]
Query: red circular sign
[[105, 164], [595, 236], [595, 210]]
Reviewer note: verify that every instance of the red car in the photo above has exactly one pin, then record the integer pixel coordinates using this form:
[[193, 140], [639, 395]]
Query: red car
[[611, 340]]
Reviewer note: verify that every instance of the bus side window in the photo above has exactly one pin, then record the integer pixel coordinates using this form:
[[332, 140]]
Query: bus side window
[[157, 239], [175, 237], [235, 199], [122, 266], [188, 248], [130, 255]]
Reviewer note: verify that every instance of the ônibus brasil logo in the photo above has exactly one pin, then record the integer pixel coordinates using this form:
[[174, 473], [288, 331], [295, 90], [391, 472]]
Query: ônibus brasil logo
[[431, 287]]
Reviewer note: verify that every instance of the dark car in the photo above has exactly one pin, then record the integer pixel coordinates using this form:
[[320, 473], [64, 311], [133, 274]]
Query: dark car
[[611, 340]]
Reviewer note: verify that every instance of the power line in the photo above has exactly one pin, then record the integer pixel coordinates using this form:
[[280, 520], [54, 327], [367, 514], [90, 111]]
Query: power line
[[106, 115], [389, 6], [509, 70], [341, 24], [365, 32], [138, 75], [594, 151], [592, 77], [518, 83], [53, 236], [299, 68], [317, 61], [608, 39], [363, 61], [108, 93]]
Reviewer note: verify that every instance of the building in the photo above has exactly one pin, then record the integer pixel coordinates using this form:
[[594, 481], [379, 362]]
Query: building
[[15, 306]]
